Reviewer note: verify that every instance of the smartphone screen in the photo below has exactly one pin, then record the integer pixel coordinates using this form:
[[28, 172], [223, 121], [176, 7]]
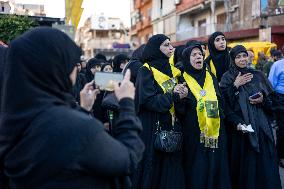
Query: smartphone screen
[[254, 96], [106, 80]]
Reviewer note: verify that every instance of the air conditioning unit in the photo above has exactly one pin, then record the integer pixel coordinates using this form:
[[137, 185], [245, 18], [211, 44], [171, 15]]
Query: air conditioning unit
[[177, 2]]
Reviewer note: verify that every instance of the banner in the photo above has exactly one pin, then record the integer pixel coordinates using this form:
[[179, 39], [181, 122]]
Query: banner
[[272, 7]]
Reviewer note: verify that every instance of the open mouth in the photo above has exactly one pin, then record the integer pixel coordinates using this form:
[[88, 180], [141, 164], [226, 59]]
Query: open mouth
[[199, 63]]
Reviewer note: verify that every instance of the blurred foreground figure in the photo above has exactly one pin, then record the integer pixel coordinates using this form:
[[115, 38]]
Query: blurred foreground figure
[[47, 140]]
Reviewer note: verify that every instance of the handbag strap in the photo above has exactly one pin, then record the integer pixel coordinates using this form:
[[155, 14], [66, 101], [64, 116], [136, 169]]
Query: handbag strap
[[158, 125]]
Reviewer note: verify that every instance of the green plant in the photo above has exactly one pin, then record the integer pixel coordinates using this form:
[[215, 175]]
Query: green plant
[[12, 26]]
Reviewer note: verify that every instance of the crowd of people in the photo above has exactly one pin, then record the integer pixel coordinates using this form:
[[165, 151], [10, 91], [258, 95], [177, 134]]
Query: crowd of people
[[184, 117]]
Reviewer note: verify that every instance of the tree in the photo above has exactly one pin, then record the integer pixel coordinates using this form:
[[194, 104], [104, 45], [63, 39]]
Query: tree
[[12, 26]]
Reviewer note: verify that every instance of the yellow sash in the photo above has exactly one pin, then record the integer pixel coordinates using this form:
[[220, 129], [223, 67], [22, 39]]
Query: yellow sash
[[165, 82], [212, 68], [207, 109], [172, 60]]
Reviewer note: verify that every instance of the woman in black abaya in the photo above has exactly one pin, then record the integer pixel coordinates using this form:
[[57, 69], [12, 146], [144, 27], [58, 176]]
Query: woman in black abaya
[[46, 140], [218, 61], [158, 170], [94, 65], [252, 155], [205, 160]]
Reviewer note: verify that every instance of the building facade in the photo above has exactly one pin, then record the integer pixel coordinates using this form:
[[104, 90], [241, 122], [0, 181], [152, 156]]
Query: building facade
[[240, 20], [164, 18], [141, 18], [103, 34], [5, 7]]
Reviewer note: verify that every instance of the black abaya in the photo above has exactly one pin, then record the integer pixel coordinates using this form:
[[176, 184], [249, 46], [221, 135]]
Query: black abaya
[[252, 156], [157, 170], [204, 167], [46, 140]]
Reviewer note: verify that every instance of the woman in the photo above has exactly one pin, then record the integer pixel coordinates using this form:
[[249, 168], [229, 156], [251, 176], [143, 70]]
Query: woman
[[201, 113], [106, 67], [252, 154], [119, 61], [94, 65], [154, 100], [110, 102], [80, 83], [3, 51], [218, 61], [135, 63], [46, 141]]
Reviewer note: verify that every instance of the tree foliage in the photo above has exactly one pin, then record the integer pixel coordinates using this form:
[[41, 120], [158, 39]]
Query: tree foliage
[[12, 26]]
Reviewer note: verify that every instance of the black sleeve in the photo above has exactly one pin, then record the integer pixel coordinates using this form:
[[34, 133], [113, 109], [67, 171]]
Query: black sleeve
[[118, 155], [230, 95], [147, 95]]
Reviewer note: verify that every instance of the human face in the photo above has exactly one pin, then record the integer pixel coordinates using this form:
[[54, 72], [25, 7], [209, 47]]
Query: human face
[[167, 48], [220, 43], [107, 68], [122, 65], [84, 64], [95, 69], [73, 75], [196, 58], [241, 60], [79, 67], [250, 56]]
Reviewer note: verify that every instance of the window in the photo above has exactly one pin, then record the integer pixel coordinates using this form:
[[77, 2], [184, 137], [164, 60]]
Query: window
[[202, 27], [221, 22], [2, 8]]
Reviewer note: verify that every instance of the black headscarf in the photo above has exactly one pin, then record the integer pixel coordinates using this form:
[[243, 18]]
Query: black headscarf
[[117, 60], [198, 75], [192, 43], [38, 67], [221, 59], [259, 83], [3, 53], [135, 63], [154, 56], [137, 53], [101, 57], [91, 63], [104, 65]]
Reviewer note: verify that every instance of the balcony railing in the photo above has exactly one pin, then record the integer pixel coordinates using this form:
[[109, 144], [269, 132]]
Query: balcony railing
[[194, 32]]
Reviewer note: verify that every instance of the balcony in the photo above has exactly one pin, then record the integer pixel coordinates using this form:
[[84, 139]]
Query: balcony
[[139, 26], [194, 32], [146, 22]]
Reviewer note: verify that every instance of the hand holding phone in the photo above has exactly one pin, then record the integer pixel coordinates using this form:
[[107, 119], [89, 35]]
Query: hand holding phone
[[126, 88], [106, 80], [256, 98]]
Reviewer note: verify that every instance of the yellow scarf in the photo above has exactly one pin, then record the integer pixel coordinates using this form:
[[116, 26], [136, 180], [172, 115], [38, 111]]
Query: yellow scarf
[[207, 109], [212, 67], [165, 82], [171, 60]]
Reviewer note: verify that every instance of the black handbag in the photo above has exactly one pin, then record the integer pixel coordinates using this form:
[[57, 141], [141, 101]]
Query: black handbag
[[168, 141]]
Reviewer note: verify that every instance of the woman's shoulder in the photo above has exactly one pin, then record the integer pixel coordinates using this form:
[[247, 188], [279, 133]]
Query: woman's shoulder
[[61, 117]]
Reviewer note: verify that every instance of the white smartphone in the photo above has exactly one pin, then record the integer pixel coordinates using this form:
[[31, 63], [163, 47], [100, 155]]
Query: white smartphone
[[106, 80]]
